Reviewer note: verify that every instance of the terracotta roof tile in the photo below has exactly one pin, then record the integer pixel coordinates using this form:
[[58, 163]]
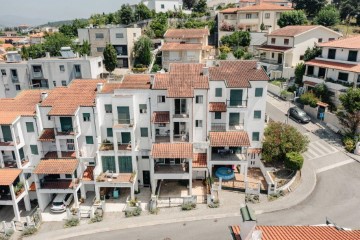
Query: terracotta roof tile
[[217, 107], [334, 65], [274, 48], [47, 135], [168, 46], [133, 81], [186, 33], [351, 43], [199, 160], [229, 139], [291, 31], [172, 150], [8, 176], [57, 166], [161, 117], [88, 174], [237, 74], [80, 92], [258, 7]]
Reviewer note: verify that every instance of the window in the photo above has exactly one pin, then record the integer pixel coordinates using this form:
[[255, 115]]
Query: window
[[143, 108], [218, 92], [86, 117], [352, 56], [99, 64], [30, 127], [108, 108], [144, 132], [310, 70], [125, 164], [331, 39], [108, 163], [34, 149], [49, 118], [161, 99], [217, 115], [134, 35], [257, 114], [99, 35], [109, 132], [68, 176], [226, 16], [258, 92], [301, 57], [199, 99], [331, 53], [17, 87], [273, 40], [119, 35], [320, 40], [89, 139], [198, 123], [343, 76], [100, 49], [255, 136], [3, 72], [248, 16], [286, 41], [54, 83], [63, 83], [162, 6], [14, 74], [267, 15], [62, 68]]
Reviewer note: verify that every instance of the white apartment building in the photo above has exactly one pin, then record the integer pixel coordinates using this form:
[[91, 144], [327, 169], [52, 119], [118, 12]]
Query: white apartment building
[[46, 73], [285, 48], [163, 5], [122, 39], [185, 46], [338, 66]]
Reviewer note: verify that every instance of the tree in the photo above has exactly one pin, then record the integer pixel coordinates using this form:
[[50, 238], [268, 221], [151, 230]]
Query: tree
[[329, 16], [349, 117], [321, 91], [309, 98], [189, 4], [142, 51], [98, 19], [299, 73], [54, 42], [295, 17], [142, 12], [280, 139], [159, 25], [200, 6], [349, 9], [110, 58], [84, 49], [24, 53], [71, 30], [311, 7], [238, 53], [34, 51], [237, 39], [294, 161], [126, 14], [312, 53]]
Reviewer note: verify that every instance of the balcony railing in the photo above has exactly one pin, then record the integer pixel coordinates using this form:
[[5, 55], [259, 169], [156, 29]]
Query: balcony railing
[[106, 146], [171, 168], [58, 183], [181, 137], [218, 127], [227, 155], [124, 122], [66, 131], [236, 103], [14, 79], [6, 142], [179, 114], [38, 74], [115, 177], [162, 138]]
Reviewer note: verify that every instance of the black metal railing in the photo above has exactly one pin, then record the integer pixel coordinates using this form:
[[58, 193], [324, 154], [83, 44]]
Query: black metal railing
[[236, 103]]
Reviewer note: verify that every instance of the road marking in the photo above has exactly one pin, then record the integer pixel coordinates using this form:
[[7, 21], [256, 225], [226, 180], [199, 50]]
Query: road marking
[[320, 170], [319, 149]]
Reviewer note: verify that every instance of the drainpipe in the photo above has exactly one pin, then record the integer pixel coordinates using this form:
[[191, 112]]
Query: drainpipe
[[150, 119], [93, 108]]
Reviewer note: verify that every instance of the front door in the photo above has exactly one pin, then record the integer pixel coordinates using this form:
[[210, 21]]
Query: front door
[[6, 131], [146, 178], [123, 115], [236, 98], [321, 72], [66, 124], [280, 58]]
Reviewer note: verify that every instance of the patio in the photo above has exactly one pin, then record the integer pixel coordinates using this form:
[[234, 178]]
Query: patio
[[174, 189]]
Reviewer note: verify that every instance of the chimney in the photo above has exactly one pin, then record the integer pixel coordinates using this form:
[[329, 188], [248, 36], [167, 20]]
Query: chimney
[[152, 79], [205, 71], [269, 30], [258, 65], [47, 55], [99, 87], [44, 95]]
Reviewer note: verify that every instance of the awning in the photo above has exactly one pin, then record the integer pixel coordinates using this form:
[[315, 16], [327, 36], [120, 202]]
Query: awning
[[57, 166], [8, 176], [229, 139], [161, 117], [172, 150]]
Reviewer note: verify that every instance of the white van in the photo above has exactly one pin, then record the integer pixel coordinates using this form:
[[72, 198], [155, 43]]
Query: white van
[[61, 201]]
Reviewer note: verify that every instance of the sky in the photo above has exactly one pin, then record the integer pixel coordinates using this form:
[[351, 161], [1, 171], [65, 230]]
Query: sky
[[42, 11]]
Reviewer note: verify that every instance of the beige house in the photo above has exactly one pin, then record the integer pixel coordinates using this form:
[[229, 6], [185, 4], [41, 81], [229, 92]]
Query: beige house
[[185, 46], [286, 46]]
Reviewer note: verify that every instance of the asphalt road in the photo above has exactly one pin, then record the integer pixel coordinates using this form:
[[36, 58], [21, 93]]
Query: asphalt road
[[336, 196]]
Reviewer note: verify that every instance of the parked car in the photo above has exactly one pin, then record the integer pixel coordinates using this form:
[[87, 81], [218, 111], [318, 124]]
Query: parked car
[[298, 115], [61, 201]]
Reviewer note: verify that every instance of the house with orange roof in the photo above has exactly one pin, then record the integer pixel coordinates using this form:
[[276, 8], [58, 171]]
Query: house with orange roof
[[285, 48], [185, 46], [338, 66], [37, 38]]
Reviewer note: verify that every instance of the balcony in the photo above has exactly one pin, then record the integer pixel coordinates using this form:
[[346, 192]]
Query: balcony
[[6, 142], [161, 138], [65, 131], [106, 146], [236, 103], [54, 155], [124, 146], [227, 155], [181, 137], [58, 183], [171, 168], [218, 127], [180, 115], [38, 74], [116, 177], [123, 123], [236, 126], [15, 79]]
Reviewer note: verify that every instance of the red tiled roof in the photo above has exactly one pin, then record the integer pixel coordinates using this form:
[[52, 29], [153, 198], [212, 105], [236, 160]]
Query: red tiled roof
[[133, 81], [258, 7], [182, 79], [199, 160], [274, 48], [47, 135], [334, 65], [229, 139], [53, 155], [32, 187], [80, 92], [313, 84], [8, 176], [237, 74], [350, 43], [291, 31], [217, 107], [161, 117], [57, 166], [168, 46], [172, 150], [186, 33], [88, 174]]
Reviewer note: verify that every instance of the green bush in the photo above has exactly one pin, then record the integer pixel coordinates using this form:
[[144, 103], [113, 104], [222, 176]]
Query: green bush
[[294, 161], [275, 196], [309, 98], [223, 56], [154, 211], [238, 53], [349, 144], [155, 68], [247, 56], [72, 222], [188, 206], [96, 218], [214, 204], [29, 231], [133, 213], [224, 49], [139, 70]]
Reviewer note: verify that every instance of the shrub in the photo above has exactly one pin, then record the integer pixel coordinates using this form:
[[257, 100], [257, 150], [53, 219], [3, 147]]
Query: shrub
[[238, 53], [294, 161], [188, 206], [309, 98], [275, 196], [72, 222], [349, 144], [29, 231], [96, 218], [299, 73], [223, 56], [247, 56], [224, 49], [154, 211], [133, 213], [214, 204], [155, 68]]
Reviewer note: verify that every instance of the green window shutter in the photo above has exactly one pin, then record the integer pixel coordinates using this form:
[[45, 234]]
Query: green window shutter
[[34, 149], [86, 117], [144, 132], [6, 131], [218, 92], [108, 163], [123, 115], [108, 108], [109, 132], [257, 114], [258, 92], [255, 136], [125, 137], [66, 124], [217, 115], [89, 140], [30, 127], [234, 119], [21, 153], [236, 98], [125, 164]]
